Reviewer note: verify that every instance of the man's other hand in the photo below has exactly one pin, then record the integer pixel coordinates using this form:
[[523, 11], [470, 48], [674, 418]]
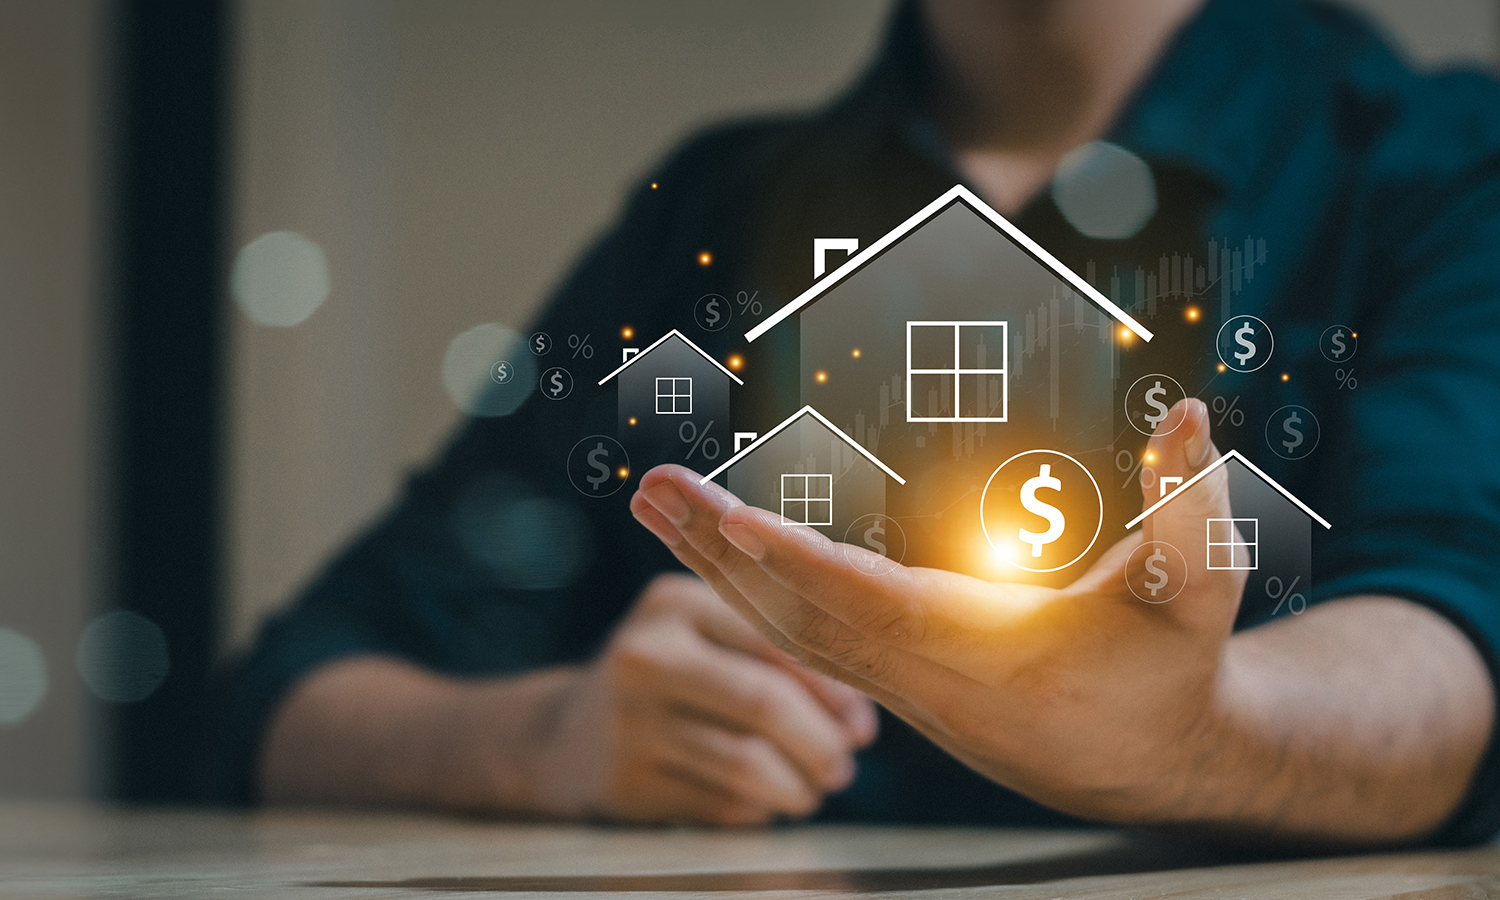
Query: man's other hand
[[690, 715]]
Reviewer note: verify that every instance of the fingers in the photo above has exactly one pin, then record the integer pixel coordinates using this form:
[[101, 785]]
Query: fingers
[[665, 793], [752, 697], [745, 768]]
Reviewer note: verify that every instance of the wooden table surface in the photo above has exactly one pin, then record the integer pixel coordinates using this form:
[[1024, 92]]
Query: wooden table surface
[[54, 851]]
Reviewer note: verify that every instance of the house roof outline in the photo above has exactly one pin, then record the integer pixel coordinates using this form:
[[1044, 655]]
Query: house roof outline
[[785, 423], [1222, 460], [658, 342], [956, 194]]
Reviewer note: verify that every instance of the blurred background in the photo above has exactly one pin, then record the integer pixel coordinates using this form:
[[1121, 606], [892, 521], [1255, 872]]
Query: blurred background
[[236, 240]]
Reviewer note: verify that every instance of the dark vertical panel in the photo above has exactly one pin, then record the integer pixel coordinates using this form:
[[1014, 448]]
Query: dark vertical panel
[[168, 324]]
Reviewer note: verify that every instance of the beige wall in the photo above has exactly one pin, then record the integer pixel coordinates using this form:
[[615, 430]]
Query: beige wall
[[451, 158], [49, 363]]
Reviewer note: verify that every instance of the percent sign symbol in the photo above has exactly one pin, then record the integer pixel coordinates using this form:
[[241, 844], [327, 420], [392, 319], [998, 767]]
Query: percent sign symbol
[[688, 433], [1346, 378], [748, 303], [1126, 462], [1227, 411], [581, 346], [1294, 602]]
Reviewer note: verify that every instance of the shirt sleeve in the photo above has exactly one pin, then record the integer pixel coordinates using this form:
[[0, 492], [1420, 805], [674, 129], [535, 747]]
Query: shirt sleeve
[[1413, 471], [491, 561]]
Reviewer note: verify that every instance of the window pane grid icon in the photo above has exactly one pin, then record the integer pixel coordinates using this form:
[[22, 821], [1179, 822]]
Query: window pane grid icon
[[956, 371], [1234, 544], [674, 396], [807, 499]]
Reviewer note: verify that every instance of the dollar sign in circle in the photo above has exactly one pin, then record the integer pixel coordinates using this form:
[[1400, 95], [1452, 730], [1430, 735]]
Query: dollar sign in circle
[[1245, 343], [557, 383], [598, 466], [1158, 574], [1156, 571], [1041, 511], [602, 470], [1056, 522], [1149, 401], [501, 372], [1338, 344], [712, 312], [540, 343], [1289, 425], [874, 543], [1292, 432]]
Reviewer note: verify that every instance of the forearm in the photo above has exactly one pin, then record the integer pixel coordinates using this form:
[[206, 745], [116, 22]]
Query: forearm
[[378, 730], [1360, 722]]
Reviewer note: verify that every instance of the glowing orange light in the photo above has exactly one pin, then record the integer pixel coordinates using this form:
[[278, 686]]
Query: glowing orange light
[[1126, 335], [735, 362], [1285, 376], [705, 258], [653, 185], [822, 377], [1192, 313], [627, 332], [855, 354], [1354, 334], [632, 420], [1221, 367], [1150, 457], [623, 472]]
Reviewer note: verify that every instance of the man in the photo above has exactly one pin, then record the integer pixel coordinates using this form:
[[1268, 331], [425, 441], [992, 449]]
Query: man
[[424, 668]]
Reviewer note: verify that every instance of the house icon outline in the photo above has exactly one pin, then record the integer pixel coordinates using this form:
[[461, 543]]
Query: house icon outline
[[1222, 461], [956, 194], [637, 357]]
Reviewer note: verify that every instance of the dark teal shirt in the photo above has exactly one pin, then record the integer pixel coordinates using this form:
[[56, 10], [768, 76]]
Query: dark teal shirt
[[1375, 191]]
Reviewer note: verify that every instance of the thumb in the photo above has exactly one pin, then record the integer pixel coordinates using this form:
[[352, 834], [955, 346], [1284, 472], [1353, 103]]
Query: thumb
[[1182, 448]]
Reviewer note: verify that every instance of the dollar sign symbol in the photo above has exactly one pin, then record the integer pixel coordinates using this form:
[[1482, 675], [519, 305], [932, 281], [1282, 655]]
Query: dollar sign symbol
[[1242, 337], [713, 312], [1287, 426], [603, 470], [1160, 579], [1153, 399], [873, 536], [1052, 514], [557, 387], [1338, 342]]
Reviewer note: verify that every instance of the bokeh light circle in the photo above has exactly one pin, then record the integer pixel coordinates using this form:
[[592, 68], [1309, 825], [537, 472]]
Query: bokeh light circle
[[279, 279], [23, 676], [523, 540], [468, 371], [1104, 190], [123, 657]]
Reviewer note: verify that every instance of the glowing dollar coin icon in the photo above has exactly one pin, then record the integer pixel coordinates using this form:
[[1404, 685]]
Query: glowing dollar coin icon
[[1292, 432], [1156, 572], [874, 544], [1041, 511], [540, 343], [502, 372], [1245, 343], [1338, 343], [557, 383], [598, 466], [712, 312], [1149, 400]]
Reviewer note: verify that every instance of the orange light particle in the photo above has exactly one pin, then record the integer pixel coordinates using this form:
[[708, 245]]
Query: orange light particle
[[735, 362], [627, 332], [1150, 457], [855, 354], [705, 258], [822, 377], [623, 472], [1285, 376], [1126, 335], [1221, 367], [653, 185], [632, 420], [1191, 313], [1354, 334]]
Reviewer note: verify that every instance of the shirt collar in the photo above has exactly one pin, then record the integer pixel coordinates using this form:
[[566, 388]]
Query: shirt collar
[[1209, 106]]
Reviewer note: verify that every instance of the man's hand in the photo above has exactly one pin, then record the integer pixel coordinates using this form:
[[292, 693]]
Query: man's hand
[[690, 715], [1105, 706]]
